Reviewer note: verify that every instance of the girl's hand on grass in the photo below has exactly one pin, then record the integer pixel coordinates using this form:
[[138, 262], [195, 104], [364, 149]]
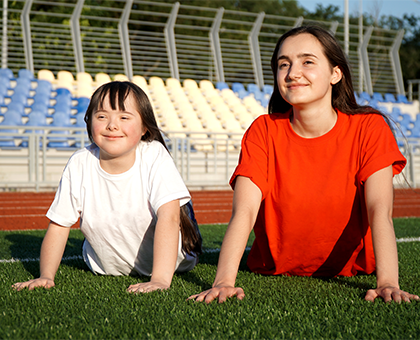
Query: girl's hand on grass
[[390, 293], [35, 283], [147, 287], [222, 293]]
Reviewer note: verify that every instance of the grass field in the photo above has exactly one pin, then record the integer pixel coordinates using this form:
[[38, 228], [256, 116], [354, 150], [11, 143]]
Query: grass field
[[85, 306]]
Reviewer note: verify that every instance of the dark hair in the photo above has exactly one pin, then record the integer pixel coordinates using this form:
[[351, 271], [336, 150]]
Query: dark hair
[[117, 92], [343, 97]]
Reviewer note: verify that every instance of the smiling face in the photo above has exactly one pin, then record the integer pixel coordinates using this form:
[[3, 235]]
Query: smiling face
[[304, 74], [117, 133]]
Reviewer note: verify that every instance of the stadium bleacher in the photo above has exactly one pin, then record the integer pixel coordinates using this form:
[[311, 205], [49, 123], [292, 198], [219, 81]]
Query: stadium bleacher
[[213, 116], [180, 108]]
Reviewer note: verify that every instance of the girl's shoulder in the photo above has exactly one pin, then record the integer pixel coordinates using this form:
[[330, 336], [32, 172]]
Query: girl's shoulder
[[366, 121], [153, 147], [81, 156], [152, 151]]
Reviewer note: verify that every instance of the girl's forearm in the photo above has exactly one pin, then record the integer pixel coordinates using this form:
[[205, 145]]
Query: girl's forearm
[[165, 247], [246, 203], [233, 247], [52, 250], [386, 254]]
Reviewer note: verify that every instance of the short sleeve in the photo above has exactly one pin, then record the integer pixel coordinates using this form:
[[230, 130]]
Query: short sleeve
[[253, 159], [64, 210], [165, 182], [379, 149]]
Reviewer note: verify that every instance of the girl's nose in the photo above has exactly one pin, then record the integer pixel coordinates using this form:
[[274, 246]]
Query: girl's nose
[[294, 72], [112, 125]]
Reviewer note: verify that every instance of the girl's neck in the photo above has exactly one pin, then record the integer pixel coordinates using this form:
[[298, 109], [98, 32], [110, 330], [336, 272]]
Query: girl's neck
[[310, 123], [119, 165]]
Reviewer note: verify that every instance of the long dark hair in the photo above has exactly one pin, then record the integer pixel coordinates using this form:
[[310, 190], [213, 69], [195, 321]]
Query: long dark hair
[[117, 92], [343, 97]]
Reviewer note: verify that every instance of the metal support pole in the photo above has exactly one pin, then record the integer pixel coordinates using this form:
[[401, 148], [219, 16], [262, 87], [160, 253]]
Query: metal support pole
[[26, 33], [361, 71], [4, 45], [298, 22], [124, 39], [169, 33], [76, 36], [395, 62], [365, 59], [215, 44], [255, 50], [334, 26], [346, 27]]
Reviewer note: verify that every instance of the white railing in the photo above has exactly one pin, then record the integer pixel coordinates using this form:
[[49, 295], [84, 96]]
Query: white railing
[[202, 162]]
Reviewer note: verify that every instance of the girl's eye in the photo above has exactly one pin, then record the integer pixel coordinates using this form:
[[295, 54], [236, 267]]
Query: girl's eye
[[283, 65], [308, 62], [124, 118]]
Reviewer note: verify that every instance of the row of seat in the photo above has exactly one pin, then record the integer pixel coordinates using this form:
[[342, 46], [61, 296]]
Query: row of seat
[[179, 108], [407, 121]]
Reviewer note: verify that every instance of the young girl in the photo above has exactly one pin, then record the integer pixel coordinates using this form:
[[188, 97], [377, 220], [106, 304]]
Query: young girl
[[314, 178], [127, 192]]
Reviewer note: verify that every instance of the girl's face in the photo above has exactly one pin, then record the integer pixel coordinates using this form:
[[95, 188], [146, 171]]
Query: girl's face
[[117, 133], [304, 74]]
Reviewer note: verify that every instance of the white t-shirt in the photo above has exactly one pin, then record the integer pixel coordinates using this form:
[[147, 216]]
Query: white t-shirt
[[118, 212]]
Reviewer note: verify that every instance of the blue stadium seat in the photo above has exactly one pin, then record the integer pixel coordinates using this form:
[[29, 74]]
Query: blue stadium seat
[[62, 90], [42, 97], [82, 104], [80, 123], [6, 72], [60, 119], [11, 118], [365, 96], [44, 86], [62, 107], [40, 107], [236, 87], [389, 97], [378, 96], [221, 85], [253, 88], [402, 99], [16, 106], [4, 86], [242, 94], [24, 73], [268, 89], [35, 119]]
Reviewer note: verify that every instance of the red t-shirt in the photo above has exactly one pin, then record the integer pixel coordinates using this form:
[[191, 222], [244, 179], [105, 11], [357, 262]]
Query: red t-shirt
[[313, 219]]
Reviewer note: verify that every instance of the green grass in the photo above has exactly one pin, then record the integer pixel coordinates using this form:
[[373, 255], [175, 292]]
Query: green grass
[[84, 306]]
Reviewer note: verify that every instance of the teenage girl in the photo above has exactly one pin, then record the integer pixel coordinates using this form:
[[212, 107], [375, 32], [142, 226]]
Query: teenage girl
[[127, 192], [314, 178]]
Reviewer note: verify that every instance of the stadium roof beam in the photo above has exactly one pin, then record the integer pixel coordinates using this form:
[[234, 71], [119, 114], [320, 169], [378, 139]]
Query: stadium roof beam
[[26, 32], [215, 45], [395, 62], [255, 50], [365, 59], [170, 41], [124, 39], [75, 34]]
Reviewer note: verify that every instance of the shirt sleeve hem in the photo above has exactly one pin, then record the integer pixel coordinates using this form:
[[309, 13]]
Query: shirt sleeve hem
[[394, 158]]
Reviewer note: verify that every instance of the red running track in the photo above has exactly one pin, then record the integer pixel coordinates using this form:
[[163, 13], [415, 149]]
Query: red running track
[[23, 210]]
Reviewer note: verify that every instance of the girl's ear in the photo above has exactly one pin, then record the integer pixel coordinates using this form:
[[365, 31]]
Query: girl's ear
[[336, 75]]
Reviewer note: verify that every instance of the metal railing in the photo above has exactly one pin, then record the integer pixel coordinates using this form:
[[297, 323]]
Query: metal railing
[[148, 38], [202, 162], [411, 84]]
